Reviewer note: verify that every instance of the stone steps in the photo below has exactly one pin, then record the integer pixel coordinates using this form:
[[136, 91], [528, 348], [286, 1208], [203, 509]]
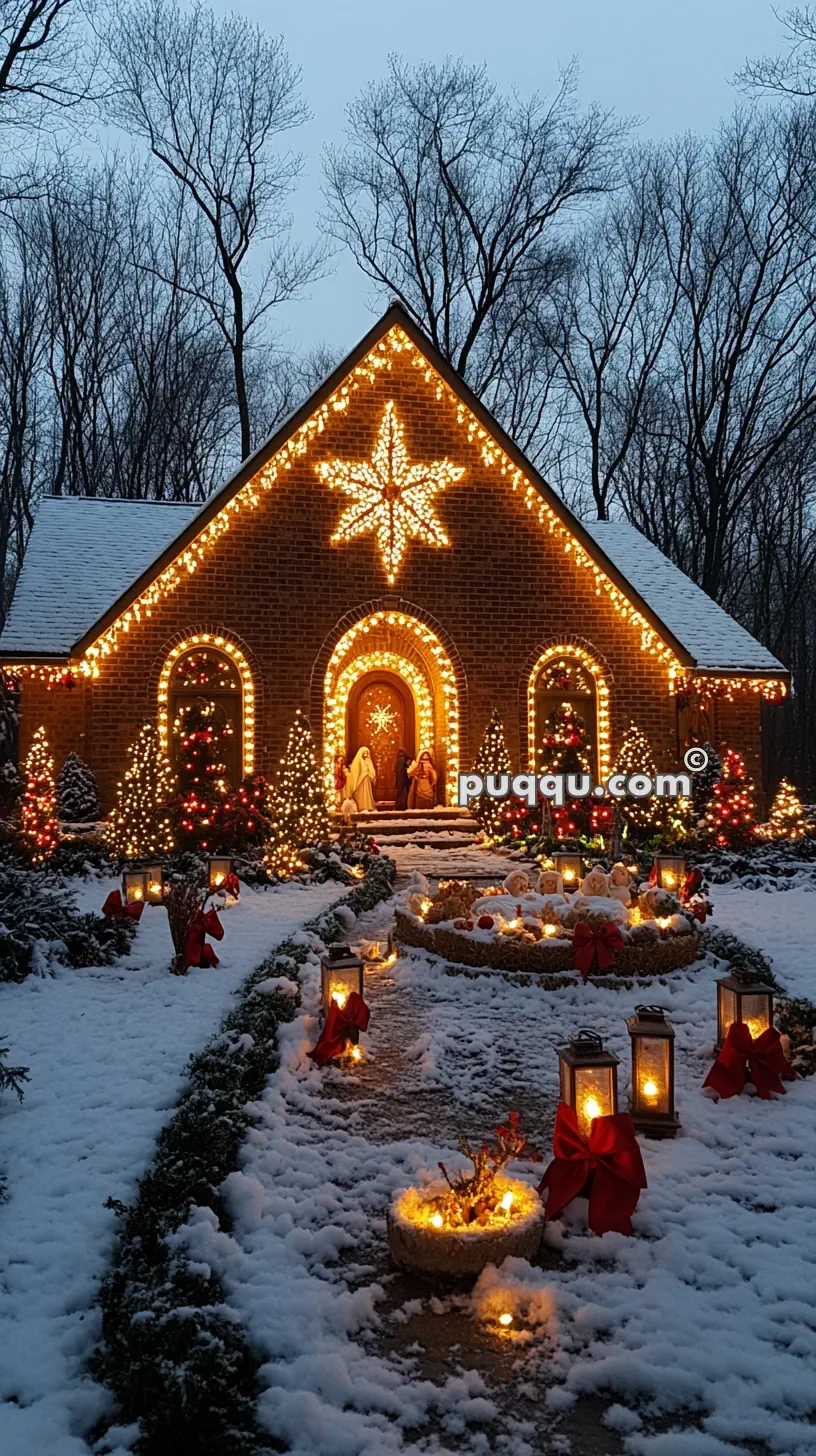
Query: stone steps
[[448, 828]]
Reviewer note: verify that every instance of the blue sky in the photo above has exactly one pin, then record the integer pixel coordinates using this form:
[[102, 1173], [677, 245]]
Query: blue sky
[[668, 63]]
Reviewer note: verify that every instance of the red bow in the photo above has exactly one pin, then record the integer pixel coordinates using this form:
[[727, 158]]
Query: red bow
[[742, 1057], [595, 947], [691, 885], [700, 911], [232, 886], [340, 1022], [196, 950], [115, 910], [609, 1160]]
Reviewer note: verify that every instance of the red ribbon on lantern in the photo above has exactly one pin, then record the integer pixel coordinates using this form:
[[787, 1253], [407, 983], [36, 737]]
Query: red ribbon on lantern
[[340, 1021], [762, 1059], [196, 950], [232, 886], [691, 885], [608, 1164], [595, 948], [113, 908]]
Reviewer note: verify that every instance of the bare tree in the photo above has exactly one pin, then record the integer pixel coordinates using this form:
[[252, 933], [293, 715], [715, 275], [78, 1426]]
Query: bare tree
[[739, 224], [612, 319], [210, 96], [22, 346], [44, 58], [794, 72], [456, 200]]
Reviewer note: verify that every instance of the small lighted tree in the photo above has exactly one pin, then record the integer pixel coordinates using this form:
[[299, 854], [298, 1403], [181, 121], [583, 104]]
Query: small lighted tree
[[493, 758], [787, 818], [298, 805], [731, 814], [636, 757], [140, 824], [39, 829], [201, 734]]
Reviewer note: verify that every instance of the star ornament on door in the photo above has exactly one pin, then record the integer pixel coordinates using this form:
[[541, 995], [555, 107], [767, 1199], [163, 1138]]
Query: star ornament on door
[[389, 497]]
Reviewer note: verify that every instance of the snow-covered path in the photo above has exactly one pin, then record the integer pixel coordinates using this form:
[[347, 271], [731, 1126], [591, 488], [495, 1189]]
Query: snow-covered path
[[699, 1333], [107, 1047]]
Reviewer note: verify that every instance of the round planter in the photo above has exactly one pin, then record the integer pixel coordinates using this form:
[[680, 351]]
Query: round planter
[[550, 958], [415, 1244]]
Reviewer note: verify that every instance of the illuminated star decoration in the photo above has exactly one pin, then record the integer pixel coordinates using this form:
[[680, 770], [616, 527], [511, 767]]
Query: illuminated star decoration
[[390, 498], [381, 719]]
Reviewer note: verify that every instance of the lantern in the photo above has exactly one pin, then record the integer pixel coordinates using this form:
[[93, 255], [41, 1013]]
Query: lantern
[[134, 886], [589, 1078], [670, 872], [218, 869], [652, 1099], [341, 972], [155, 885], [568, 866], [742, 998]]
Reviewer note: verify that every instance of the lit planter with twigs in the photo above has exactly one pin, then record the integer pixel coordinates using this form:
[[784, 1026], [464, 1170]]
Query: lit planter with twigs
[[459, 1224]]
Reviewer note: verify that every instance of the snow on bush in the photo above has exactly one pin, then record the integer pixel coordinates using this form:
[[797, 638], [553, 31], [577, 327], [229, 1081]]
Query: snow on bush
[[40, 927]]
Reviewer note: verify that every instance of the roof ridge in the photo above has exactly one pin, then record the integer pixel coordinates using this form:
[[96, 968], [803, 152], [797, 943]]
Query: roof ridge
[[121, 500]]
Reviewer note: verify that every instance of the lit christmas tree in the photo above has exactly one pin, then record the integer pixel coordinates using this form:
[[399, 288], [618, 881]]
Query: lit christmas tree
[[77, 792], [244, 821], [731, 814], [140, 825], [564, 750], [298, 804], [39, 829], [492, 758], [636, 757], [201, 733], [787, 818]]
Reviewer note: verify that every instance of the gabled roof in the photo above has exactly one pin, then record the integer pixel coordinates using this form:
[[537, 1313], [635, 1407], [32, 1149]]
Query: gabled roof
[[66, 599], [84, 552], [713, 638]]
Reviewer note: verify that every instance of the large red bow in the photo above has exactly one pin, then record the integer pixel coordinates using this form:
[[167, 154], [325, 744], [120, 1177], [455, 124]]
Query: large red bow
[[691, 885], [595, 948], [609, 1160], [115, 910], [232, 885], [763, 1060], [196, 950], [340, 1022]]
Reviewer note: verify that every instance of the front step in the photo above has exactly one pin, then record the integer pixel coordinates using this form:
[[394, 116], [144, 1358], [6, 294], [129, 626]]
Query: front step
[[448, 828]]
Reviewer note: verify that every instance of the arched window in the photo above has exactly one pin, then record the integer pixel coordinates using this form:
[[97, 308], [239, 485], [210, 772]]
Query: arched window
[[564, 711], [205, 678]]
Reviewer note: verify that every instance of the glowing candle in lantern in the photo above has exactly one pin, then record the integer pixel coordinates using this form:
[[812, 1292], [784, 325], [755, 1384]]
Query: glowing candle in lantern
[[652, 1097], [505, 1319], [589, 1078], [507, 1200]]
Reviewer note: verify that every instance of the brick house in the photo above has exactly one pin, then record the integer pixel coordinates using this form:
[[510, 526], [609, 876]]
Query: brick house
[[391, 563]]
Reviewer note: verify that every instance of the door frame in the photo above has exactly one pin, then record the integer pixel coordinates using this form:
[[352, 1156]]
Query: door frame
[[388, 679]]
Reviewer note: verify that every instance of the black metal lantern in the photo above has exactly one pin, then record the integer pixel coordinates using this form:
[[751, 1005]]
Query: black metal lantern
[[134, 887], [589, 1078], [341, 972], [670, 872], [568, 866], [652, 1099], [740, 997], [219, 867], [155, 885]]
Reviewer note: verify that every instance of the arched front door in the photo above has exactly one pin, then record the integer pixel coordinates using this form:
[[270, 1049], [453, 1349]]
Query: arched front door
[[380, 717]]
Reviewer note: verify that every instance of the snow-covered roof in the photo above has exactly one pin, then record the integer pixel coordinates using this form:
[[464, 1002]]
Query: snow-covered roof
[[82, 554], [713, 638]]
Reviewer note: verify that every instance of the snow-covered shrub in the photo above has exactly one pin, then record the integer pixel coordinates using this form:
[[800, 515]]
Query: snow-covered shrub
[[738, 956], [11, 1080], [175, 1358], [82, 854], [12, 784], [39, 925], [77, 792]]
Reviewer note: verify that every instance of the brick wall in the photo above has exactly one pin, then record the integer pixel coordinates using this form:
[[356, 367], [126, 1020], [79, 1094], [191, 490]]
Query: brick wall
[[274, 584]]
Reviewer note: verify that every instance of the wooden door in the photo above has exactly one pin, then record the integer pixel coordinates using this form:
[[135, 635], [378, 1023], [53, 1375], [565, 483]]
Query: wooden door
[[381, 719]]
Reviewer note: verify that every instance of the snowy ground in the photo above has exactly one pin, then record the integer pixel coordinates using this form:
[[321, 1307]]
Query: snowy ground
[[106, 1047], [695, 1338]]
